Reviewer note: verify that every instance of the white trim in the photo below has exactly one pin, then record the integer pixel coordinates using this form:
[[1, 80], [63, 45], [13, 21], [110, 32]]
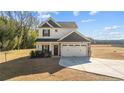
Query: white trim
[[65, 36], [44, 23], [82, 35], [57, 42], [71, 33], [54, 21], [50, 24], [50, 47]]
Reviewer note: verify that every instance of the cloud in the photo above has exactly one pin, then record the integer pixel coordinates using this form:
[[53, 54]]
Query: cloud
[[115, 33], [109, 34], [110, 28], [76, 13], [49, 12], [88, 20], [45, 15], [54, 12], [93, 12]]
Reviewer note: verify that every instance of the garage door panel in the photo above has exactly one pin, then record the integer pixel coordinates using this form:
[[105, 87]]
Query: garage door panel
[[74, 51]]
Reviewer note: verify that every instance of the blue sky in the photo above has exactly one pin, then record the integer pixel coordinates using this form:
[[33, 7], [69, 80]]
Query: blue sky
[[98, 25]]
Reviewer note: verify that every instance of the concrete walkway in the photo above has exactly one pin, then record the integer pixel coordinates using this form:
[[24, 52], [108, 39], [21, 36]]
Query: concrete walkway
[[114, 68]]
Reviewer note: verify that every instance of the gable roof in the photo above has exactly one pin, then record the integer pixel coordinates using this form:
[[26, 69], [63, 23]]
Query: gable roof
[[74, 37], [55, 24], [71, 37], [51, 22]]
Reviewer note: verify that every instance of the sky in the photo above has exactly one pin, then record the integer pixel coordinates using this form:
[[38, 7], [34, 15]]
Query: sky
[[102, 25]]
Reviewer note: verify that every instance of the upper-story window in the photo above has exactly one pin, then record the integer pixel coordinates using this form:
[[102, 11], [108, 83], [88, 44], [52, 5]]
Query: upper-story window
[[46, 32]]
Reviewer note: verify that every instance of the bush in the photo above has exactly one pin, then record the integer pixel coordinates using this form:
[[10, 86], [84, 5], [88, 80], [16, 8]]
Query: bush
[[40, 54], [48, 54], [32, 54]]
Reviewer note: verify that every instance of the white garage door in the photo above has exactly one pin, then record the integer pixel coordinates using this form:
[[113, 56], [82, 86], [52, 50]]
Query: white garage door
[[73, 50]]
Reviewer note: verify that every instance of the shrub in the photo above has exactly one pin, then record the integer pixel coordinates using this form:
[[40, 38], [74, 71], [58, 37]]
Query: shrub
[[47, 54], [50, 53], [32, 54], [40, 54]]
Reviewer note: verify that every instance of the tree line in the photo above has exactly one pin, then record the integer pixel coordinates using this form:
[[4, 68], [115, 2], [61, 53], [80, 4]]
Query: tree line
[[17, 30]]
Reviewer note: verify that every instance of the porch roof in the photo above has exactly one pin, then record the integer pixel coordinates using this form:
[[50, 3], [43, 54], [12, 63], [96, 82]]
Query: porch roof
[[46, 40]]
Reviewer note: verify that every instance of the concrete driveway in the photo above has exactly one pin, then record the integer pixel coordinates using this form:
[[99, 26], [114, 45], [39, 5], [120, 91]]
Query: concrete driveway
[[114, 68]]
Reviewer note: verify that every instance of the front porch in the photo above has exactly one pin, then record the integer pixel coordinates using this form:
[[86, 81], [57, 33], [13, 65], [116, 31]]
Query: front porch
[[54, 47]]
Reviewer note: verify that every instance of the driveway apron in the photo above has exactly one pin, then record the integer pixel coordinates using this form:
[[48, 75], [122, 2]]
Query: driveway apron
[[113, 68]]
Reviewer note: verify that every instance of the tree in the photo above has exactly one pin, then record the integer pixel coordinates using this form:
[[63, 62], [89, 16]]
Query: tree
[[15, 27]]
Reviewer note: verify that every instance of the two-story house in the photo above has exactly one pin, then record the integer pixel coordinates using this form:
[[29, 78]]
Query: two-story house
[[62, 39]]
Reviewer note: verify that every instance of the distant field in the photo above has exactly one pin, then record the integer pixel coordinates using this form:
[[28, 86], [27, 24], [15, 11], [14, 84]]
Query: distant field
[[108, 51]]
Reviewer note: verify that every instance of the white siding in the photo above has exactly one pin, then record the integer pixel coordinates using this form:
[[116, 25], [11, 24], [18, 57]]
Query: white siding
[[53, 34]]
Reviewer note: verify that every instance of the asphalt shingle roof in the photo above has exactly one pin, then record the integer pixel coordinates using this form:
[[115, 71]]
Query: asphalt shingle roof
[[53, 24], [62, 24], [74, 37], [45, 40], [68, 24]]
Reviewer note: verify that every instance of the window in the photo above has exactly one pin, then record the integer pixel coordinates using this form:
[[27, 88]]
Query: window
[[46, 32], [45, 48], [56, 30]]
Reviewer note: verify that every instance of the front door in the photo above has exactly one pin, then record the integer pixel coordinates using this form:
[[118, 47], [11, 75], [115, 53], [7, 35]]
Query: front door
[[55, 50]]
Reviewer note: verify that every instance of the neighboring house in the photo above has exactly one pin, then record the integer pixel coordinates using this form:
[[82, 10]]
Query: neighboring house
[[62, 39]]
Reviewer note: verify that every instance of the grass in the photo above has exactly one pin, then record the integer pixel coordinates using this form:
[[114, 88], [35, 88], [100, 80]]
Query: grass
[[20, 67], [14, 54], [107, 52]]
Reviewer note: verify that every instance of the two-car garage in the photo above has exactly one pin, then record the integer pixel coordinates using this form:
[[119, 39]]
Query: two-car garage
[[74, 44], [74, 50]]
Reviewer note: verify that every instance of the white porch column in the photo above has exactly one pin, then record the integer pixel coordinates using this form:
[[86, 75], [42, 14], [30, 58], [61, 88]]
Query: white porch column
[[41, 47], [50, 47], [59, 46], [37, 46]]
